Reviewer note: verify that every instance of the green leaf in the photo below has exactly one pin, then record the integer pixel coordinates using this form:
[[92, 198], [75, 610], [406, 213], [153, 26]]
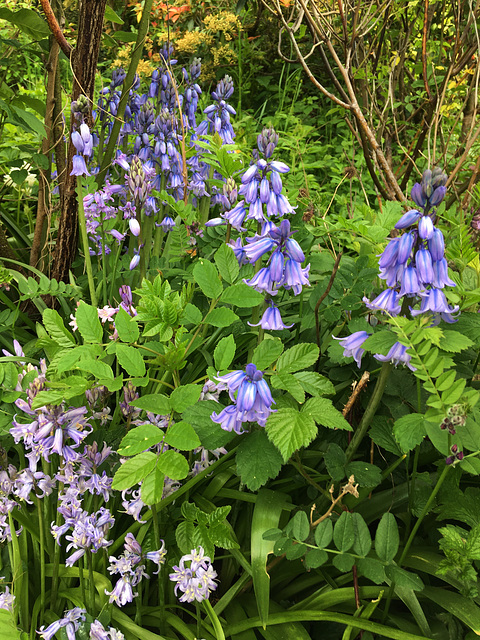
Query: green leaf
[[126, 326], [387, 538], [139, 439], [402, 578], [152, 487], [298, 357], [185, 396], [182, 435], [184, 536], [315, 558], [111, 16], [173, 465], [28, 20], [266, 353], [324, 413], [344, 532], [88, 323], [224, 353], [241, 295], [205, 275], [131, 360], [289, 430], [154, 402], [221, 317], [372, 569], [96, 367], [335, 461], [363, 539], [367, 475], [300, 526], [210, 433], [257, 460], [314, 383], [56, 329], [381, 342], [8, 628], [454, 341], [410, 430], [344, 562], [324, 533], [134, 470], [465, 609], [191, 314], [227, 263], [288, 382]]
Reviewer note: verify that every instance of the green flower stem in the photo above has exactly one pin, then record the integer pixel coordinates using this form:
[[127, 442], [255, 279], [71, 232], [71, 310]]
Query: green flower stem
[[56, 557], [369, 411], [41, 533], [127, 85], [82, 224], [214, 620], [91, 583], [81, 567], [413, 533]]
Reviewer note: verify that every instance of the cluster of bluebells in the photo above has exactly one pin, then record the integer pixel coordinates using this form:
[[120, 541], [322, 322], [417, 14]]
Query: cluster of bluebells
[[251, 397], [130, 568], [196, 580], [152, 135], [414, 268], [263, 202], [72, 621]]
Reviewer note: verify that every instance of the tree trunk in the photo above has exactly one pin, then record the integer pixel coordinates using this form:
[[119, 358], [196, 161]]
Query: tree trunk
[[84, 64]]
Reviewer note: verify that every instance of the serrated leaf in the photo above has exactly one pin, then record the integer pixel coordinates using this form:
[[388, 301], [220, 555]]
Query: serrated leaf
[[224, 353], [210, 433], [290, 430], [227, 263], [56, 329], [298, 357], [324, 413], [241, 295], [184, 536], [173, 465], [257, 460], [126, 326], [134, 470], [205, 275], [287, 382], [140, 439], [410, 430], [185, 396], [221, 317], [154, 402], [454, 341], [131, 360], [88, 323], [182, 435], [152, 487], [97, 368], [191, 314], [266, 353], [314, 383], [387, 538]]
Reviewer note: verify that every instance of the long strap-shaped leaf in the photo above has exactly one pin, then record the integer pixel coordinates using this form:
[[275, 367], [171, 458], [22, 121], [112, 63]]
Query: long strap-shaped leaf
[[266, 515]]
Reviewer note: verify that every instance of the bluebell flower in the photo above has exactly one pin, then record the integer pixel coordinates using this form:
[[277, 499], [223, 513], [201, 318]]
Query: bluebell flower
[[436, 245], [295, 276], [7, 599], [408, 218], [434, 300], [271, 320], [425, 228], [410, 283], [387, 301], [167, 224], [405, 247], [397, 355], [251, 396], [79, 168], [196, 581], [352, 345], [423, 261], [71, 622], [440, 275]]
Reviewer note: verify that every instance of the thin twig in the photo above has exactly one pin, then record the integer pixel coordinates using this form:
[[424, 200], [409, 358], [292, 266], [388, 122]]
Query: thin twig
[[358, 387], [325, 294]]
